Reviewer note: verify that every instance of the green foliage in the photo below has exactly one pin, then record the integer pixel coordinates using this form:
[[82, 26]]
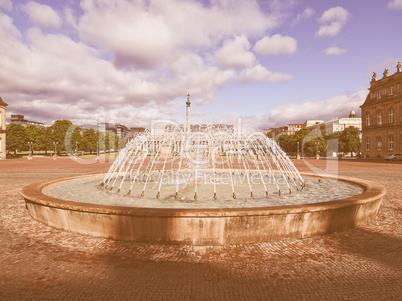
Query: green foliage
[[34, 134], [73, 139], [59, 130], [17, 137], [89, 139], [307, 140], [67, 136], [121, 143], [350, 140], [287, 143], [46, 140]]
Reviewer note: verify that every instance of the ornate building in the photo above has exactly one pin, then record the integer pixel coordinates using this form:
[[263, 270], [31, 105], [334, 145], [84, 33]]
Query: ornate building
[[337, 124], [3, 106], [382, 116]]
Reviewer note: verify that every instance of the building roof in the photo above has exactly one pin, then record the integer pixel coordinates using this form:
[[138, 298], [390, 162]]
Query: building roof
[[380, 84], [2, 103]]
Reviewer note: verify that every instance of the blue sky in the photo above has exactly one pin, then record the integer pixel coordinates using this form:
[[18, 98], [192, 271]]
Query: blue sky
[[268, 62]]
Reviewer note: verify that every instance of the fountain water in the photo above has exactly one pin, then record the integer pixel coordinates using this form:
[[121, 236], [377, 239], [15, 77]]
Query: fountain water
[[204, 160]]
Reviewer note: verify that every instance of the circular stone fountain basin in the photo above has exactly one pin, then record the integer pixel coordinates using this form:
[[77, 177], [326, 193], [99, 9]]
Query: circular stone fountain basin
[[205, 221]]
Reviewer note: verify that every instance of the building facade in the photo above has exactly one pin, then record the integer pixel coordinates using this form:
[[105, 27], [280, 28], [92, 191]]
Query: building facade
[[3, 106], [338, 124], [289, 129], [17, 118], [382, 116]]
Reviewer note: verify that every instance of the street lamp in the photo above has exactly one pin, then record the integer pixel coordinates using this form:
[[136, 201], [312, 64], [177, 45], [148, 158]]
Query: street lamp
[[97, 148], [76, 148], [30, 144], [317, 143], [55, 149]]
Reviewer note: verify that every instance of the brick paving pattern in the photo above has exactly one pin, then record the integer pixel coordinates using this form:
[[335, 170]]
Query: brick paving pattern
[[41, 263]]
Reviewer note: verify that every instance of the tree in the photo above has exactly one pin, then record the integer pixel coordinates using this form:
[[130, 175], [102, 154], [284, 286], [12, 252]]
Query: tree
[[17, 138], [103, 140], [89, 139], [284, 142], [34, 134], [59, 130], [310, 139], [299, 136], [76, 139], [350, 140], [121, 143], [316, 144], [46, 140]]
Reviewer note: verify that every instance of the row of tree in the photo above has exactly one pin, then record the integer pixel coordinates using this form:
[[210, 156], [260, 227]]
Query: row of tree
[[63, 136], [308, 142]]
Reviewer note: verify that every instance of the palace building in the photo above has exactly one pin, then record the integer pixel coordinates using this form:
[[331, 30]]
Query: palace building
[[3, 106], [382, 116]]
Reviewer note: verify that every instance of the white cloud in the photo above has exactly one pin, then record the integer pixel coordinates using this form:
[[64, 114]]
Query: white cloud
[[306, 14], [334, 51], [261, 74], [333, 20], [276, 45], [42, 15], [94, 70], [395, 4], [6, 5], [145, 33], [338, 106], [235, 54], [54, 77], [185, 64], [337, 14]]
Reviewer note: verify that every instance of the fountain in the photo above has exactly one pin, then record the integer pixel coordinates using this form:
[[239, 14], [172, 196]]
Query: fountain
[[212, 186]]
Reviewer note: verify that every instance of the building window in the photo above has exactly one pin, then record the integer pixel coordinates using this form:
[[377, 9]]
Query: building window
[[367, 144], [391, 91], [391, 115], [379, 143], [379, 94], [379, 118], [367, 119], [391, 143]]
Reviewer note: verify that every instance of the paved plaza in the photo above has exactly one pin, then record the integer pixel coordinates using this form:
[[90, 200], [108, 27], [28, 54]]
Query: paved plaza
[[41, 263]]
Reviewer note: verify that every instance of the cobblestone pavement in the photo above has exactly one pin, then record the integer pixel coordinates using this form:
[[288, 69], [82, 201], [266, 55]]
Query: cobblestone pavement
[[41, 263]]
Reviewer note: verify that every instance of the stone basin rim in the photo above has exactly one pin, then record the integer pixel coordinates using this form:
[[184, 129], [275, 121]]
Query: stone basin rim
[[33, 193]]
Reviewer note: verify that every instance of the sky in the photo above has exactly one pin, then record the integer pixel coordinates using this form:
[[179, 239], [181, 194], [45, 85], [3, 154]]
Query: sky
[[268, 62]]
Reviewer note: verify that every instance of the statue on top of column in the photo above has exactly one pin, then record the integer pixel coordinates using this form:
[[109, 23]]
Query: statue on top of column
[[398, 67]]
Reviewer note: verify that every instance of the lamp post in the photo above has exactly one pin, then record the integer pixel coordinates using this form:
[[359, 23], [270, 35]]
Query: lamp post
[[76, 148], [298, 151], [317, 143], [97, 148], [30, 149], [55, 147]]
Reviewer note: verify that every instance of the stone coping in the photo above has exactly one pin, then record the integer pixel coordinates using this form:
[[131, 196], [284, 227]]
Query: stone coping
[[33, 193]]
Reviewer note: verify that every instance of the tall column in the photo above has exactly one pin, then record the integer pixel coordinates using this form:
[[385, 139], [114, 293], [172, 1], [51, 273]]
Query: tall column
[[188, 103], [3, 106]]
